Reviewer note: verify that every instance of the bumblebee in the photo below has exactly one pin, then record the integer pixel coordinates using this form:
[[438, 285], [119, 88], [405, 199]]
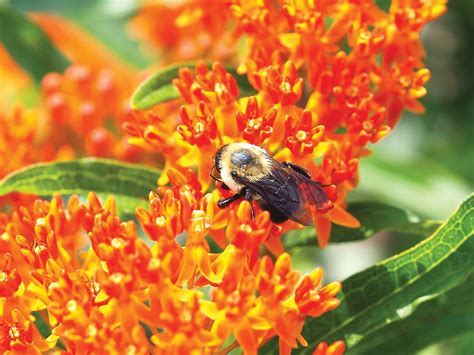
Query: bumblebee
[[284, 189]]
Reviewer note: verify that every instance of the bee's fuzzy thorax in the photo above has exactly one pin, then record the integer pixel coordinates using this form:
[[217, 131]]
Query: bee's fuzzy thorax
[[256, 169]]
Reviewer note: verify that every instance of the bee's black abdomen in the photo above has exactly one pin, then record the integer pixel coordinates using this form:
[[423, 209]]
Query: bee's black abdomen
[[276, 216]]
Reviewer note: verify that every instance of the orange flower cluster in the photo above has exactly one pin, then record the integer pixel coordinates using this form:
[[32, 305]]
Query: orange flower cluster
[[77, 116], [107, 297], [73, 121], [185, 30], [80, 111], [361, 66]]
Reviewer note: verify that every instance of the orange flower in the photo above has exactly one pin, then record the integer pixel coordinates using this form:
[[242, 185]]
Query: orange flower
[[233, 312], [20, 336], [302, 137], [407, 18], [315, 304], [185, 330], [256, 127], [196, 260], [13, 74], [336, 348], [401, 87], [74, 102], [284, 301], [279, 83], [17, 140], [9, 278], [184, 30]]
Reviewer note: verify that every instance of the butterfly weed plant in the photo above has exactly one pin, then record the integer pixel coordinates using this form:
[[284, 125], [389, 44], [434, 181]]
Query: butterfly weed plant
[[112, 240]]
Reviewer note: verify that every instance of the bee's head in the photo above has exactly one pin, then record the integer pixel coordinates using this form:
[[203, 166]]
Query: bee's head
[[243, 158]]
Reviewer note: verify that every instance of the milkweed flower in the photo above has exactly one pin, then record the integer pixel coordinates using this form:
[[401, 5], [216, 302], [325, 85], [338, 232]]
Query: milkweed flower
[[336, 348], [186, 30], [315, 98], [96, 299]]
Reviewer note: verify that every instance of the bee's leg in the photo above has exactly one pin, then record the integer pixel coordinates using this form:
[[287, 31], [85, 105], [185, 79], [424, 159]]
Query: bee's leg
[[249, 198], [225, 202], [224, 186]]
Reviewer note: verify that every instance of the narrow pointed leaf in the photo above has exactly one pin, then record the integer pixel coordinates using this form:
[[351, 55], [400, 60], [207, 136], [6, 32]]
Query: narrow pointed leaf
[[28, 44], [392, 290], [444, 317], [129, 183], [158, 87], [374, 217]]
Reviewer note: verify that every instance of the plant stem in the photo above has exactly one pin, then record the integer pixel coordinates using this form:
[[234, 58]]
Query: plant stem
[[228, 348]]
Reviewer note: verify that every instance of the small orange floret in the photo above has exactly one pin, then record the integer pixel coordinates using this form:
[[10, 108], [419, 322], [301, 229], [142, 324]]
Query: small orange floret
[[336, 348], [302, 136], [256, 126]]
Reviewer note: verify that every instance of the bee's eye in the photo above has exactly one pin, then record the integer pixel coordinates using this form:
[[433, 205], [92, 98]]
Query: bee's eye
[[241, 158]]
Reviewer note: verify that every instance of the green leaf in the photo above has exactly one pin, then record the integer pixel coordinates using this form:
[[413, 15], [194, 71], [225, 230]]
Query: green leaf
[[391, 291], [29, 45], [158, 87], [444, 317], [374, 217], [130, 184]]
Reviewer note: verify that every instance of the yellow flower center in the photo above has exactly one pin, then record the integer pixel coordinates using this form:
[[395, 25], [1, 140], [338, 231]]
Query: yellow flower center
[[116, 277], [160, 221], [405, 81], [40, 222], [285, 86], [199, 127], [233, 298], [255, 123], [53, 285], [154, 263], [301, 135], [91, 330], [71, 306], [131, 349], [14, 332], [368, 126], [3, 276], [39, 248], [185, 316], [117, 242], [220, 88]]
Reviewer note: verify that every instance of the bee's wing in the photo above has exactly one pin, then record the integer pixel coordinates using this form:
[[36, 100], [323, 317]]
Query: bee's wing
[[290, 192]]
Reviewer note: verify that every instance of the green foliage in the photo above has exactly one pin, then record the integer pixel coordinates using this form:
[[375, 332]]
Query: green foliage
[[128, 183], [374, 300], [158, 87], [28, 45], [374, 217], [446, 316]]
